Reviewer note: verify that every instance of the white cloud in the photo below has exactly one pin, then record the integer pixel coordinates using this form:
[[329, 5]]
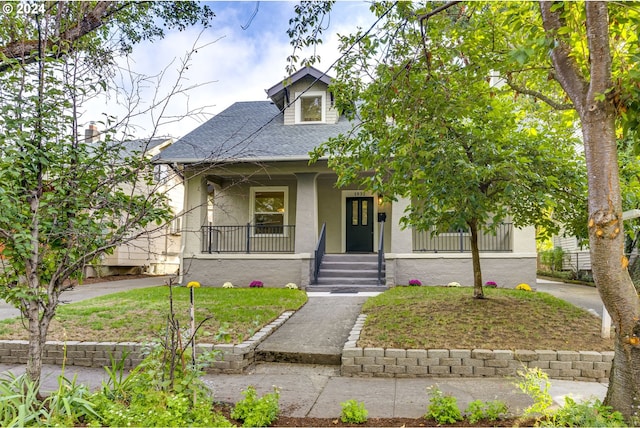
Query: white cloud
[[238, 64]]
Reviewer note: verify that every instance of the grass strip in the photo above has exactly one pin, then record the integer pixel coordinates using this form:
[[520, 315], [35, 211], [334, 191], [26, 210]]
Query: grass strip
[[141, 314], [450, 318]]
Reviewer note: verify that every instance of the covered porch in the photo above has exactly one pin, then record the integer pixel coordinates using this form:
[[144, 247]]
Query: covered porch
[[276, 228]]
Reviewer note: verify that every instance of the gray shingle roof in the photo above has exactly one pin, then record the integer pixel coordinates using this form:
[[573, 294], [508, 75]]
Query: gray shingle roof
[[252, 130]]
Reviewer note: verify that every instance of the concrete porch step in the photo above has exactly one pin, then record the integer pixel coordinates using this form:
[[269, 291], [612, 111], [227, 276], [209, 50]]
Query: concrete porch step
[[350, 257], [349, 273], [350, 280], [346, 288], [344, 265]]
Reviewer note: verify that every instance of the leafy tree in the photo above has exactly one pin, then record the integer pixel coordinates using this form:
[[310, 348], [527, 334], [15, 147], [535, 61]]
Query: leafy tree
[[464, 165], [592, 48], [66, 200], [569, 55]]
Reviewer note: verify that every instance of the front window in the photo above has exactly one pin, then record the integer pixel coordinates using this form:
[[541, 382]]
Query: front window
[[310, 107], [269, 210]]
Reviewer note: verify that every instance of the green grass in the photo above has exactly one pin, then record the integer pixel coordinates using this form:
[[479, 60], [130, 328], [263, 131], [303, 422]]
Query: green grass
[[449, 317], [139, 315], [402, 317]]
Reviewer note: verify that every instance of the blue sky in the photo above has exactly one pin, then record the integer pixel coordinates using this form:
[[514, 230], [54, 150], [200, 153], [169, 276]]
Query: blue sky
[[235, 64]]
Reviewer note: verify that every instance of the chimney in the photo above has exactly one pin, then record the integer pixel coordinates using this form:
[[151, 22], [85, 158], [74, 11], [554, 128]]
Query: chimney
[[91, 134]]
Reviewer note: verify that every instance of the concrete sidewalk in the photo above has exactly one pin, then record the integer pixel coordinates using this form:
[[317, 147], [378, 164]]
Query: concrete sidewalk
[[317, 391]]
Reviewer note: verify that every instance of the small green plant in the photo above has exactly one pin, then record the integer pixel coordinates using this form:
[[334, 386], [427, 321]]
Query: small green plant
[[19, 403], [535, 383], [353, 412], [590, 413], [153, 394], [257, 412], [442, 408], [70, 405], [486, 410]]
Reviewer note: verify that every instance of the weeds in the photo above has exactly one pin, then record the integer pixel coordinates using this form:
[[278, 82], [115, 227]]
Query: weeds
[[353, 412], [442, 408], [257, 412], [486, 410]]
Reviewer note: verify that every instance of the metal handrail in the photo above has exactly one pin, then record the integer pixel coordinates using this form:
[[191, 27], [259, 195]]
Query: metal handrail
[[460, 241], [319, 253], [380, 253], [250, 238]]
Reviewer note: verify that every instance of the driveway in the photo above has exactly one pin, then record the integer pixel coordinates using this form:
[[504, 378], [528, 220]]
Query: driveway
[[88, 291], [583, 296]]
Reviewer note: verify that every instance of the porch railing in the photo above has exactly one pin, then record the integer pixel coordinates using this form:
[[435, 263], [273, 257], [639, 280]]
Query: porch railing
[[250, 238], [460, 241], [319, 253], [381, 253]]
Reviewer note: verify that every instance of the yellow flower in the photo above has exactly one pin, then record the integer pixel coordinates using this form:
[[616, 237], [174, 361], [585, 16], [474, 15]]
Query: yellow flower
[[194, 284], [524, 287]]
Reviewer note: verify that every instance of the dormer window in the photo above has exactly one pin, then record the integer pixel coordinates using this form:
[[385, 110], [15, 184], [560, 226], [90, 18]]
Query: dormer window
[[310, 107]]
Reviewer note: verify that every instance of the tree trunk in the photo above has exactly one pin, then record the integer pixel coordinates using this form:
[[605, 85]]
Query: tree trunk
[[36, 344], [609, 265], [478, 292], [606, 237]]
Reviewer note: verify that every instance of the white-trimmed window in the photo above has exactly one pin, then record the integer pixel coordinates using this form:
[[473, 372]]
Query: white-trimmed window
[[269, 208], [310, 107]]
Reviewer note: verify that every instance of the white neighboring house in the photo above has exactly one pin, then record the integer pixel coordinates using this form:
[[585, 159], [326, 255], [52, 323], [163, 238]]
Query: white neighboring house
[[157, 253], [577, 257]]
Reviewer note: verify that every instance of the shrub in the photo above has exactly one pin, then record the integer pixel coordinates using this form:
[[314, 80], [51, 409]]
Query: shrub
[[256, 284], [491, 284], [454, 284], [523, 287], [552, 258], [415, 282], [353, 412], [227, 285], [442, 408], [291, 286], [257, 412]]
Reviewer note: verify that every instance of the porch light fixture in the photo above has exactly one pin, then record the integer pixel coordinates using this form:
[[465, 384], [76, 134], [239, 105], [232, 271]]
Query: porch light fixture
[[380, 199]]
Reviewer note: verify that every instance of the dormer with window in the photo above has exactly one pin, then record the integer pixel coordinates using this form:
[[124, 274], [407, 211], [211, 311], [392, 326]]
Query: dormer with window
[[305, 98]]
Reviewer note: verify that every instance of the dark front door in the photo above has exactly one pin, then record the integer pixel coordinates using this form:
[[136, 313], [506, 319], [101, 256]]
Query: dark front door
[[360, 225]]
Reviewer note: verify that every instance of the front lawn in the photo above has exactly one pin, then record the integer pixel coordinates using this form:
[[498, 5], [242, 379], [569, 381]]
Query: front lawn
[[139, 315], [449, 318]]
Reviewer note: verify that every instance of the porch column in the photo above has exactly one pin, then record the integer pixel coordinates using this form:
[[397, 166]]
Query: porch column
[[306, 213], [401, 239]]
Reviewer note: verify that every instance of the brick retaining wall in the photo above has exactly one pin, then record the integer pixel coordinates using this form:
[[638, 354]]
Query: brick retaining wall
[[379, 362], [231, 359], [356, 361]]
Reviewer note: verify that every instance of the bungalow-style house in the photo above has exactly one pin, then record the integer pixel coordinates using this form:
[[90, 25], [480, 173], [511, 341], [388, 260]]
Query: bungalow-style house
[[157, 252], [256, 210]]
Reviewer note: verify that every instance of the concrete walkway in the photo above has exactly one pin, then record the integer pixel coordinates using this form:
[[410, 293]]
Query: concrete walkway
[[583, 296], [317, 390], [316, 333]]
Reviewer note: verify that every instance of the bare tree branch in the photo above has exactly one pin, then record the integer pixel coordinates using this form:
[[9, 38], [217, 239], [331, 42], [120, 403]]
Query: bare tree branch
[[538, 95]]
